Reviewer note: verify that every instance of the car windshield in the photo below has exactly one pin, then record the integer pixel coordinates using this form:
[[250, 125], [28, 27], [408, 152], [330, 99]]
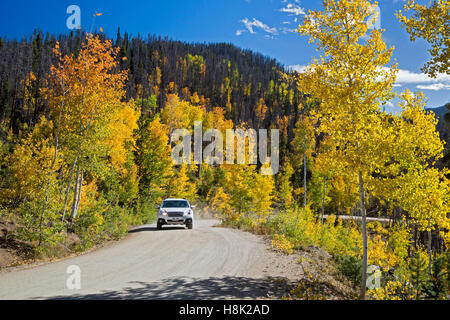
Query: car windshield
[[175, 204]]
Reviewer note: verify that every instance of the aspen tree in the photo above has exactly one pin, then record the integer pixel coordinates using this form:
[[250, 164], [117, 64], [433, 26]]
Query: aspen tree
[[350, 82]]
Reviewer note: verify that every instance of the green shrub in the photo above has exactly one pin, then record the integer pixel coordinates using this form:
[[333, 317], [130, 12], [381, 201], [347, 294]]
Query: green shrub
[[439, 283], [39, 226], [351, 267], [117, 222], [145, 212]]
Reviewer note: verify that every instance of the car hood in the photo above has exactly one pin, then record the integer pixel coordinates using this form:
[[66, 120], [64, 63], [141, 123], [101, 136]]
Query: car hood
[[174, 209]]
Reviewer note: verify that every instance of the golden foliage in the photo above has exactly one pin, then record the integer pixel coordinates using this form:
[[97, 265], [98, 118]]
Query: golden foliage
[[280, 243], [431, 24]]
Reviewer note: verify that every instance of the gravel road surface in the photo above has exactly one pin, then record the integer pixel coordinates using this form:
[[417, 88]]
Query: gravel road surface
[[174, 263]]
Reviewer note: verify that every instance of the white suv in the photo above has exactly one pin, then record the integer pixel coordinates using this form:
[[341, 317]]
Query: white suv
[[175, 211]]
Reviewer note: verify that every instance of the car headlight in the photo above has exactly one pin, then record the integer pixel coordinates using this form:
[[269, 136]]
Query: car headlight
[[187, 212], [164, 213]]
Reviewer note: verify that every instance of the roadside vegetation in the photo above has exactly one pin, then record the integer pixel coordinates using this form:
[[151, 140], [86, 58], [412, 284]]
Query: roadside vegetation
[[366, 160], [86, 153]]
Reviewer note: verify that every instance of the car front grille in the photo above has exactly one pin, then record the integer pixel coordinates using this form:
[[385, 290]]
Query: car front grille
[[175, 214]]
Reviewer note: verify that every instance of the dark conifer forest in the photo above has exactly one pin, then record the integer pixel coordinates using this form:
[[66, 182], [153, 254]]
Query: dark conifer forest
[[244, 83]]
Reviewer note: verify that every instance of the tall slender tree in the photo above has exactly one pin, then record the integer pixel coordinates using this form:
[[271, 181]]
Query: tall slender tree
[[350, 82]]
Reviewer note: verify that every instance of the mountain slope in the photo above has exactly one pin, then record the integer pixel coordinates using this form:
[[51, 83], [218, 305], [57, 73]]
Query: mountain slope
[[240, 81], [442, 127]]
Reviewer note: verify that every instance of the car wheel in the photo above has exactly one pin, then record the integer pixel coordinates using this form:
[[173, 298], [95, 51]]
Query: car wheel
[[189, 225], [158, 226]]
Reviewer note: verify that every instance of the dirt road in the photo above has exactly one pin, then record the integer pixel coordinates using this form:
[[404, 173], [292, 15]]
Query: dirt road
[[204, 263]]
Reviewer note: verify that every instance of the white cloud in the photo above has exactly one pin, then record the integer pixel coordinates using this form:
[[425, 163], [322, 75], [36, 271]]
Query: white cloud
[[293, 9], [258, 24], [434, 87], [422, 81], [285, 30], [239, 32], [297, 67], [405, 76]]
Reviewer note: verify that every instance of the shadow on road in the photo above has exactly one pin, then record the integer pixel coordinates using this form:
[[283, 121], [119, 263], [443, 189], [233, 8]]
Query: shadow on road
[[147, 228], [193, 289]]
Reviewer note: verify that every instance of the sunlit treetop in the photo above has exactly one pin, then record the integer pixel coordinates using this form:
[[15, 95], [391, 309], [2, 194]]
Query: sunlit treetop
[[431, 23]]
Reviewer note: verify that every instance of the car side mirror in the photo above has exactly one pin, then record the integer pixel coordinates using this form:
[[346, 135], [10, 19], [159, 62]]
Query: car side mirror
[[157, 207], [192, 207]]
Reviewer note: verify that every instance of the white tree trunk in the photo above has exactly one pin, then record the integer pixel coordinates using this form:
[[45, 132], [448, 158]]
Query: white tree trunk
[[430, 252], [364, 235], [323, 198], [304, 180], [75, 194], [80, 185], [66, 198]]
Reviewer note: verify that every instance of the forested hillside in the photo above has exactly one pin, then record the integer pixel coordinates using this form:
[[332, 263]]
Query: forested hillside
[[443, 126], [442, 123], [245, 84]]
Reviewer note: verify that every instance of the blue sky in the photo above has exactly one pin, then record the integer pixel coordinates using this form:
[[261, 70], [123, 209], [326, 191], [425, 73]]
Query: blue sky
[[265, 26]]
